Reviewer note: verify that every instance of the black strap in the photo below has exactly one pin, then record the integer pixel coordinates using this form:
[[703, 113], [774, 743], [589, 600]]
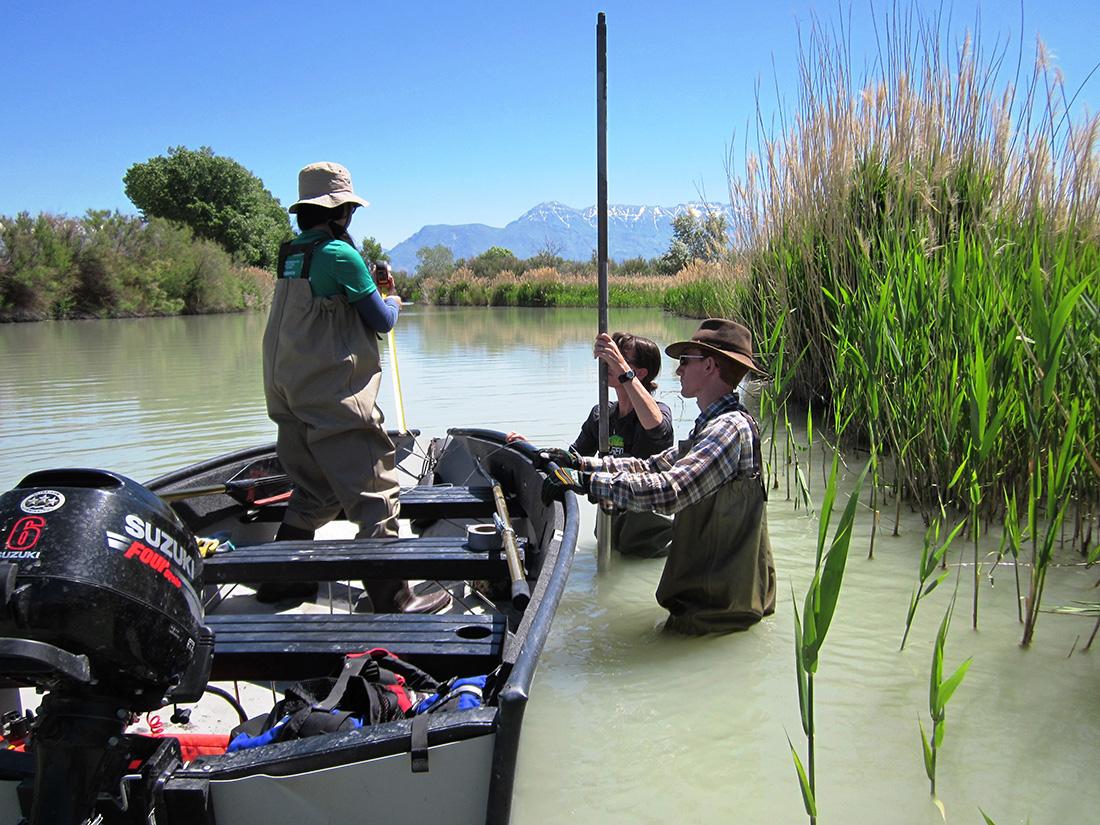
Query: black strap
[[352, 667], [418, 744], [290, 248], [294, 724]]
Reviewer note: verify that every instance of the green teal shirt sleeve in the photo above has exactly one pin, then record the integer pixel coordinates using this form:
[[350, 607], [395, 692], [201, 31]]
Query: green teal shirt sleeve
[[352, 273]]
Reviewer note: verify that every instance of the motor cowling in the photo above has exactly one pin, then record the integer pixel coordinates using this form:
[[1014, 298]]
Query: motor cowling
[[94, 565]]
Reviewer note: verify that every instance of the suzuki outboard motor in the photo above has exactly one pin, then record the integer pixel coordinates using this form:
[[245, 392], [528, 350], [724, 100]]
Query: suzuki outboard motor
[[99, 606]]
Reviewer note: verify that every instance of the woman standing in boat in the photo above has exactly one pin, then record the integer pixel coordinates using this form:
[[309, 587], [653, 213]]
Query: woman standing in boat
[[321, 381]]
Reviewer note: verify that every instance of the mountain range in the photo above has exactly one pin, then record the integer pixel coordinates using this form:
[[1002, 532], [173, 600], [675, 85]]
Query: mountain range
[[632, 231]]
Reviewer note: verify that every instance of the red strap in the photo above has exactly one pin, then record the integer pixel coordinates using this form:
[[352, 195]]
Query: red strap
[[262, 502]]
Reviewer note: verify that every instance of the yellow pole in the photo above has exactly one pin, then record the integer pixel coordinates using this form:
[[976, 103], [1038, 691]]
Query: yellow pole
[[395, 374]]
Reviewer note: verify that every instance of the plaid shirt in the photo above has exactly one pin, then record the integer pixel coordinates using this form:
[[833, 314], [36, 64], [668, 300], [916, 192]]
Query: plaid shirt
[[718, 449]]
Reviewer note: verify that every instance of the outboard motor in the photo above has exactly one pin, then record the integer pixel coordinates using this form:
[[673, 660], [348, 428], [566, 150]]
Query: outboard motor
[[99, 606]]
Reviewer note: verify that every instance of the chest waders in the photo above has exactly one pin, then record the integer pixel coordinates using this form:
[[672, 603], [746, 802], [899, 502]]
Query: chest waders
[[719, 575], [645, 534], [321, 381]]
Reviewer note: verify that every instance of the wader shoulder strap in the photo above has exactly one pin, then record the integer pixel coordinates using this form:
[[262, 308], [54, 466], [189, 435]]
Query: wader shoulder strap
[[757, 455], [289, 249], [757, 458]]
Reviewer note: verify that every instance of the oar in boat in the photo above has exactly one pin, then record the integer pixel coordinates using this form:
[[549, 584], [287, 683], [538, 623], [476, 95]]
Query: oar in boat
[[383, 278], [396, 376], [521, 592], [257, 491]]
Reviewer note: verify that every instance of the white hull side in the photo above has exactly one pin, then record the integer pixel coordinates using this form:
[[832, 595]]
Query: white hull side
[[456, 788]]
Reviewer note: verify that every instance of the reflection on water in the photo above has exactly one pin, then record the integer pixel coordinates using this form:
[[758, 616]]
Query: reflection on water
[[626, 724]]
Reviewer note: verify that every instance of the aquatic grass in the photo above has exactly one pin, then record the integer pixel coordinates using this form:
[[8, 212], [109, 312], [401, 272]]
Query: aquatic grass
[[700, 289], [932, 569], [818, 610], [940, 691], [1059, 474], [1011, 541]]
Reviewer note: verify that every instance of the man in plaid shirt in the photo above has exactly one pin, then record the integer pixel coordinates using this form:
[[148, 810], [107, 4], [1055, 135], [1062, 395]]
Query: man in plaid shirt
[[719, 575]]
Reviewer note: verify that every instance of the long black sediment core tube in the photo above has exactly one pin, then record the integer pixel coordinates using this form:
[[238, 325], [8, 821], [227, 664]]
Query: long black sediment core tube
[[601, 207], [603, 524]]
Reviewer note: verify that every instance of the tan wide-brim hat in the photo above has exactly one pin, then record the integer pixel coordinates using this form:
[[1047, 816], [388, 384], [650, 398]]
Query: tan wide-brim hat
[[325, 184], [717, 336]]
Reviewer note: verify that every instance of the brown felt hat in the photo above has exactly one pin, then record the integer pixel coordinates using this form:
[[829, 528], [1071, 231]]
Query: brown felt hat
[[325, 184], [717, 336]]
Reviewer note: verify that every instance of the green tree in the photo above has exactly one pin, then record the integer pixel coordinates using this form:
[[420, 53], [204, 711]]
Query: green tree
[[493, 261], [372, 251], [434, 261], [695, 237], [216, 197]]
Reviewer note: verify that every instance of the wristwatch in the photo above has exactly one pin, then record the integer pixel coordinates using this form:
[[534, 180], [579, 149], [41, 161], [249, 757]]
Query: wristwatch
[[626, 376]]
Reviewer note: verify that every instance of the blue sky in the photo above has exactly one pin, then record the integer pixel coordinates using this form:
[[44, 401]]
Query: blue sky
[[445, 112]]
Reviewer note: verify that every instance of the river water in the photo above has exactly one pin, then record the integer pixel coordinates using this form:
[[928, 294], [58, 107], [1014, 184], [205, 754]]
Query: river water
[[626, 724]]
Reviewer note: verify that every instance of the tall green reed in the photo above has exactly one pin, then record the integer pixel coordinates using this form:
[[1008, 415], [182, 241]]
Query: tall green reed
[[818, 610], [1059, 473], [932, 570], [940, 691], [897, 228]]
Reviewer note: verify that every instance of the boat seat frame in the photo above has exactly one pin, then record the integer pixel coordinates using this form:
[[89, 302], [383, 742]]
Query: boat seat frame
[[435, 558], [293, 646]]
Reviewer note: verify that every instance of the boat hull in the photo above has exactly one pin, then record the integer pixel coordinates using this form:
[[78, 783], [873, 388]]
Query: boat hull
[[368, 774]]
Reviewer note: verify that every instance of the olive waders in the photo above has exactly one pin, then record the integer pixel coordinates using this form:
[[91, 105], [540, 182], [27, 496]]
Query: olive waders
[[719, 575], [644, 535]]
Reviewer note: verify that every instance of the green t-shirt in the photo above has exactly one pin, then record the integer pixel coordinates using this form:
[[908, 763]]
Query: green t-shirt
[[335, 266]]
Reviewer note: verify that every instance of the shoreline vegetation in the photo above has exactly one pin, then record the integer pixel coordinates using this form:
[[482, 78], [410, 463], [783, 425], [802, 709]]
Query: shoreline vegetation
[[110, 265]]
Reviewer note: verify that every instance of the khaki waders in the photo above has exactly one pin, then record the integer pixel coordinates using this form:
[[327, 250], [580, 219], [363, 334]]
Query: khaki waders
[[321, 380]]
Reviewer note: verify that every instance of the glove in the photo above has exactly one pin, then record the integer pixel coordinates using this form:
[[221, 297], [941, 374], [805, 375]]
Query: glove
[[570, 459], [561, 480]]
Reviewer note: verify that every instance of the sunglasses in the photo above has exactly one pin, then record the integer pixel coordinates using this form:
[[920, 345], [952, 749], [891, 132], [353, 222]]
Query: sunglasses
[[687, 359]]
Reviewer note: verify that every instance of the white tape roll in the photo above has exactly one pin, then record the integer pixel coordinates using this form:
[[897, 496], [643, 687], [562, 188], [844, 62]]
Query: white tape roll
[[483, 537]]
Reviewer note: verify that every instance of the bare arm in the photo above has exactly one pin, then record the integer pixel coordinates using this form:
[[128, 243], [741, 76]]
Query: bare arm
[[643, 404]]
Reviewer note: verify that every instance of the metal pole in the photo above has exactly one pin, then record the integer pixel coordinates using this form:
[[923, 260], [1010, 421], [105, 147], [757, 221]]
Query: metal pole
[[603, 517]]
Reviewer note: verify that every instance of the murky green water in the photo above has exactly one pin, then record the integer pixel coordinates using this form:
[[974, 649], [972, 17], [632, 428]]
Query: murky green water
[[627, 725]]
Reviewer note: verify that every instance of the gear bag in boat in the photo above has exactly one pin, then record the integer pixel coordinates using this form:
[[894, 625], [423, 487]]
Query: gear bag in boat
[[373, 687]]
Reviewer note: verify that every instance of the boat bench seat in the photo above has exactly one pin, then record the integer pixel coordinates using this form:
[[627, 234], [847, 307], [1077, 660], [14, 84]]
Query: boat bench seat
[[438, 558], [291, 646], [421, 503], [430, 502]]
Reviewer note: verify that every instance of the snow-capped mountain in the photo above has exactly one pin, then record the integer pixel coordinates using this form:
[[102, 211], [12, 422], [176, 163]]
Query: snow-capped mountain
[[632, 231]]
